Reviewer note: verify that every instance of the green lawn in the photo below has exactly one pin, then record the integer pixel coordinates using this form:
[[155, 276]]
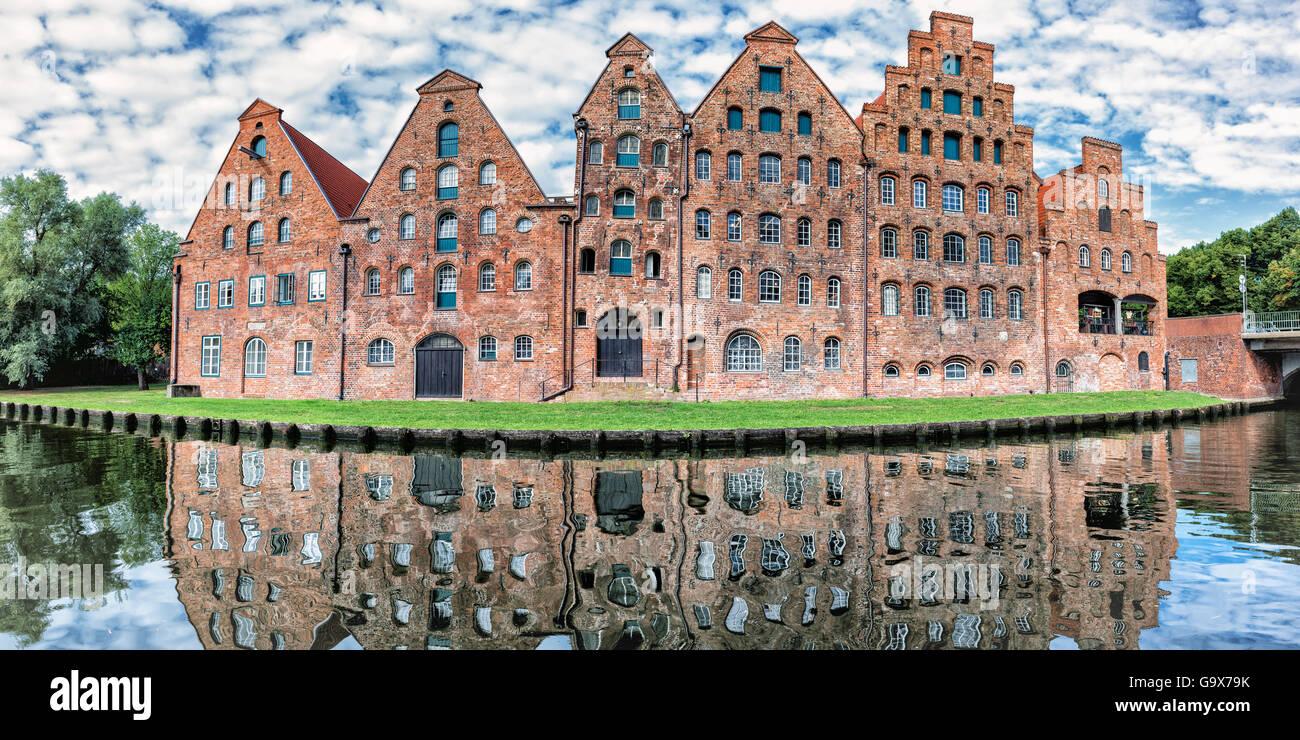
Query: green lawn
[[611, 415]]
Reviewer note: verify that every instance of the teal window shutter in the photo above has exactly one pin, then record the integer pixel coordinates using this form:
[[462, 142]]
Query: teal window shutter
[[951, 146], [769, 120], [769, 79], [735, 119], [952, 103], [805, 124], [925, 99]]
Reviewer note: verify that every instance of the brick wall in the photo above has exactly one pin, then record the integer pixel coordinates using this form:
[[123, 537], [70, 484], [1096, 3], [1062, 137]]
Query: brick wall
[[1225, 367]]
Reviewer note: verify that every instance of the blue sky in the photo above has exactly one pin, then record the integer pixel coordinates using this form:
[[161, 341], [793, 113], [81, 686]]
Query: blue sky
[[140, 97]]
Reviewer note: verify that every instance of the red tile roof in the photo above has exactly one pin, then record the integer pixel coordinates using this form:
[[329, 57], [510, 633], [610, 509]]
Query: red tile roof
[[342, 186]]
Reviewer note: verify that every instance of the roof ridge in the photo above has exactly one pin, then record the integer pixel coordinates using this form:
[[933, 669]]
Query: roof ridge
[[341, 186]]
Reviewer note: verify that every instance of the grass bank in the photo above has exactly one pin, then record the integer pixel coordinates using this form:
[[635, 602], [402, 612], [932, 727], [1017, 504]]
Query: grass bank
[[610, 415]]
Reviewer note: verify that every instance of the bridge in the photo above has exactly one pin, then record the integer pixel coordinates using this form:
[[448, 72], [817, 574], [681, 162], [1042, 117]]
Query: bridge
[[1276, 333], [1249, 355]]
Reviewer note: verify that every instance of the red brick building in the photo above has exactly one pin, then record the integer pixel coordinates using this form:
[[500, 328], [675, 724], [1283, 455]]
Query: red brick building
[[765, 245]]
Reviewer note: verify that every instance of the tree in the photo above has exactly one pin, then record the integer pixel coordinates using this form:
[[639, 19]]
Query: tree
[[1280, 287], [140, 300], [56, 257], [1202, 278]]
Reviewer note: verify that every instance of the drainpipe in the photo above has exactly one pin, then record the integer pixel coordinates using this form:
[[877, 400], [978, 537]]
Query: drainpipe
[[681, 269], [344, 251], [570, 280], [866, 237], [176, 324], [566, 318], [1042, 311]]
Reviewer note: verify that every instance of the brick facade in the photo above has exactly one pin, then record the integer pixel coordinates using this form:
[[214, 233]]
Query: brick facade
[[762, 246], [1225, 367]]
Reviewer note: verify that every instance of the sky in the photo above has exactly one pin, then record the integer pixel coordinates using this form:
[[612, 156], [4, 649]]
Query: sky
[[140, 97]]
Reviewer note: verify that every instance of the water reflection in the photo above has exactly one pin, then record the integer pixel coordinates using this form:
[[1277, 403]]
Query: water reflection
[[1070, 543]]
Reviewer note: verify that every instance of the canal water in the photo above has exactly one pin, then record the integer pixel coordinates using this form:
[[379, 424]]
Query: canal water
[[1183, 537]]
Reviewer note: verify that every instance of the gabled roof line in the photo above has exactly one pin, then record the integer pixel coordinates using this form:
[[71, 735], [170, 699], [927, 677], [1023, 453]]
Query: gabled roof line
[[292, 134]]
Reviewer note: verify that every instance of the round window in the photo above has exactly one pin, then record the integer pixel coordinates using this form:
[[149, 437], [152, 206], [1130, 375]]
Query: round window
[[372, 236], [524, 225]]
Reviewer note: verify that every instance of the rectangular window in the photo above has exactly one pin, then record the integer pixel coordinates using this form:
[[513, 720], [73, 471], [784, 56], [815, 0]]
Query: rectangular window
[[301, 470], [977, 106], [733, 227], [733, 167], [902, 142], [1188, 369], [997, 152], [925, 143], [302, 352], [805, 125], [284, 289], [952, 103], [225, 294], [702, 225], [977, 150], [953, 198], [982, 200], [925, 99], [769, 121], [735, 119], [257, 290], [210, 357], [1013, 203], [951, 63], [316, 286], [951, 146], [202, 296], [769, 79], [769, 169]]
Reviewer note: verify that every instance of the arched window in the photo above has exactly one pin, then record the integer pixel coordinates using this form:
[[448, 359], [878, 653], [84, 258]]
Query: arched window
[[487, 221], [379, 352], [487, 349], [655, 209], [1126, 262], [922, 371], [259, 146], [1013, 203], [487, 173], [255, 358], [523, 276], [407, 226], [660, 155], [953, 198], [954, 303], [629, 103], [735, 118], [744, 354], [735, 284], [408, 179], [372, 236], [889, 300], [735, 167], [406, 281], [703, 165], [954, 371], [448, 182], [734, 232], [624, 204], [255, 235], [769, 229], [986, 304], [285, 230], [1015, 305], [703, 282], [954, 248], [653, 265], [769, 120], [448, 140], [1017, 370], [1144, 362], [986, 250], [887, 185], [446, 297], [1103, 189], [587, 261], [833, 292], [487, 277], [805, 124], [888, 243], [286, 183], [593, 206], [629, 151], [447, 232], [1085, 257], [256, 189], [620, 257], [988, 370], [803, 170], [372, 281], [804, 292], [833, 173], [769, 168], [834, 234], [803, 232], [1105, 259], [793, 355], [1063, 369], [1013, 252], [982, 200], [922, 300], [769, 287], [228, 237], [920, 246], [919, 194], [523, 349], [230, 193], [595, 152], [703, 224]]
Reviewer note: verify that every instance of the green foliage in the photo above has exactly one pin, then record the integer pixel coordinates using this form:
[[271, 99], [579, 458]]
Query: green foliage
[[1202, 278], [140, 300], [56, 259]]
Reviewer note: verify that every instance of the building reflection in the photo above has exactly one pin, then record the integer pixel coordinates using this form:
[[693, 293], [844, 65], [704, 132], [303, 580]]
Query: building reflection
[[1002, 547]]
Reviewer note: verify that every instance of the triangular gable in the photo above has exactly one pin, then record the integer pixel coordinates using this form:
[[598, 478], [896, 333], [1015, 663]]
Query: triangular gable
[[446, 81], [629, 45], [258, 107], [772, 31], [341, 186]]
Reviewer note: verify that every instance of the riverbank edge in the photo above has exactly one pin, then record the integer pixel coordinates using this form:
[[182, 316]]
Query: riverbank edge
[[599, 442]]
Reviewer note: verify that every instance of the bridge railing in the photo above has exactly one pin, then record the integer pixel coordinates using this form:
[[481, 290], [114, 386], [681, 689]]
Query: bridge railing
[[1270, 321]]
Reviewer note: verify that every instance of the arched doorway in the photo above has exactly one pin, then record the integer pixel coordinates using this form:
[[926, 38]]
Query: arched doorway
[[439, 367], [1110, 373], [1291, 387], [618, 345]]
